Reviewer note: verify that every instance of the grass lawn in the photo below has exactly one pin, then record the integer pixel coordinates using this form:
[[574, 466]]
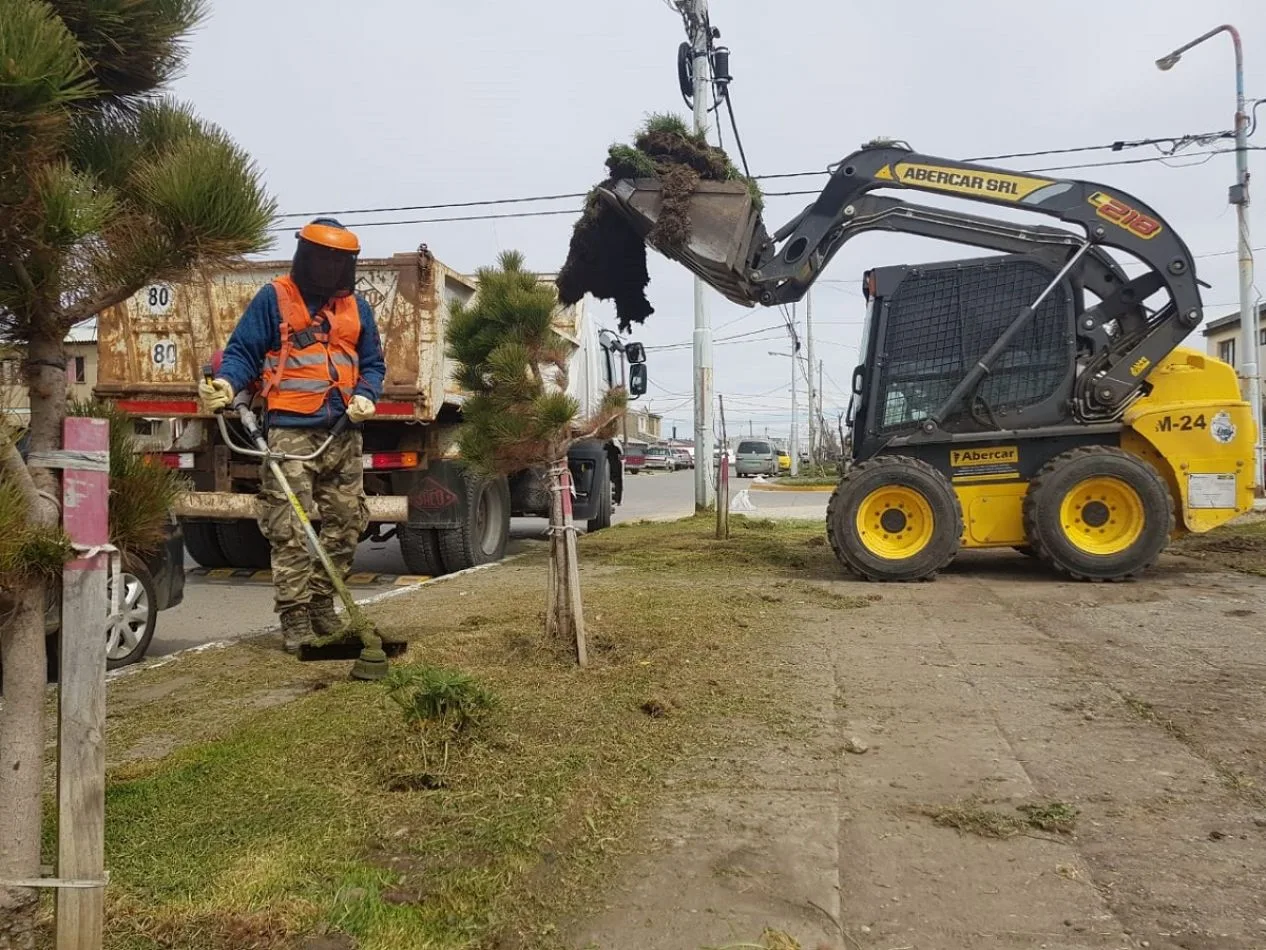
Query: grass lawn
[[256, 802]]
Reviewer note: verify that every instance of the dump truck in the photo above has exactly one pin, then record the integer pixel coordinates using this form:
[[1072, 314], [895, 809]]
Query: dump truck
[[1037, 398], [447, 518]]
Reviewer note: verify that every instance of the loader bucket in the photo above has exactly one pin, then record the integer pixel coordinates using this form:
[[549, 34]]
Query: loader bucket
[[723, 228]]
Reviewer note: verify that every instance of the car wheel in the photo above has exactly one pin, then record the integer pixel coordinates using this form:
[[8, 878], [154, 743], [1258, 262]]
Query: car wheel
[[130, 629]]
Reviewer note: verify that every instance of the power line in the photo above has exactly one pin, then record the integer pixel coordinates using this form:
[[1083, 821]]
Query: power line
[[724, 339], [1116, 146]]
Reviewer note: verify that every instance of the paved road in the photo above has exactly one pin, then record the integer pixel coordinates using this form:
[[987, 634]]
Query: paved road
[[215, 608]]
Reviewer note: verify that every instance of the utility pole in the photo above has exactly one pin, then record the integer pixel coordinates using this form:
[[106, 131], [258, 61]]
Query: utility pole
[[695, 13], [1249, 338], [808, 333], [820, 416]]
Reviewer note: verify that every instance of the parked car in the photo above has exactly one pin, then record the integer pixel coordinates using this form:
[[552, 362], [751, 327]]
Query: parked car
[[660, 457], [755, 457], [684, 458], [634, 459], [784, 460], [149, 584]]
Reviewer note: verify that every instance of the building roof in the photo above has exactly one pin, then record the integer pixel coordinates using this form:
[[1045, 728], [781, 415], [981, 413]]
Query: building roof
[[83, 332], [1229, 322]]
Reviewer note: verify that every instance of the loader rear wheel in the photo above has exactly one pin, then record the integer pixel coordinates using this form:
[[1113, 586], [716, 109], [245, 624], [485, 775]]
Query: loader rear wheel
[[1098, 513], [894, 518]]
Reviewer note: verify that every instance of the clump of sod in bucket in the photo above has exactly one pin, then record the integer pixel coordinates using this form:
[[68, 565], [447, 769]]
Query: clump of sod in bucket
[[606, 257]]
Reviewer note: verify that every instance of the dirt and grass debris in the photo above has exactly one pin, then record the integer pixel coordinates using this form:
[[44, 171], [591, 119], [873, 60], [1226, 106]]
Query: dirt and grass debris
[[974, 816], [475, 799], [607, 258]]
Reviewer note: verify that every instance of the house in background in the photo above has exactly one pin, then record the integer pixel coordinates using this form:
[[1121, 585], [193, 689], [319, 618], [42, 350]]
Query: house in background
[[81, 369], [1222, 339], [644, 426]]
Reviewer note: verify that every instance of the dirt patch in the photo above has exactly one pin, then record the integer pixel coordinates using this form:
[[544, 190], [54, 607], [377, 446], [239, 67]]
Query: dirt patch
[[1093, 757]]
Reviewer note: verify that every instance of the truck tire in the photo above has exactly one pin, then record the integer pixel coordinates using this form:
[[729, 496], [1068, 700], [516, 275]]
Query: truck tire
[[243, 544], [894, 518], [602, 479], [1098, 513], [420, 549], [485, 529], [203, 543]]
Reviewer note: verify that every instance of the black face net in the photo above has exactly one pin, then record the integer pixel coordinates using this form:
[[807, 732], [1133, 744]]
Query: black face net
[[323, 272]]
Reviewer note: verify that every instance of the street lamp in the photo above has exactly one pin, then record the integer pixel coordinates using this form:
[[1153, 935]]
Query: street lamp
[[1239, 198], [795, 431]]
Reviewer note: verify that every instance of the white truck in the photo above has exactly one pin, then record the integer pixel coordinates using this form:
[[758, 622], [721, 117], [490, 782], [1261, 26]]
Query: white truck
[[151, 349]]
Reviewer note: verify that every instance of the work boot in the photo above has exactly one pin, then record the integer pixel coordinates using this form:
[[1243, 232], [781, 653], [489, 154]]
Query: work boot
[[296, 628], [324, 620]]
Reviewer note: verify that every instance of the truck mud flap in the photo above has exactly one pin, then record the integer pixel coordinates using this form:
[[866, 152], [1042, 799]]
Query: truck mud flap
[[437, 495], [587, 461]]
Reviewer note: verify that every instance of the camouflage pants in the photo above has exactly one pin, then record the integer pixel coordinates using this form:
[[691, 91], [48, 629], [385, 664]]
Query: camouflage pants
[[334, 482]]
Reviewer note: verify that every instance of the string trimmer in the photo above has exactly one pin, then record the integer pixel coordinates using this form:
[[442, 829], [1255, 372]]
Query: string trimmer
[[359, 639]]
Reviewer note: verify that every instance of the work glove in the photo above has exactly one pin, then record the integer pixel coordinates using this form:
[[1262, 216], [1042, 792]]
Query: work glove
[[215, 394], [360, 409]]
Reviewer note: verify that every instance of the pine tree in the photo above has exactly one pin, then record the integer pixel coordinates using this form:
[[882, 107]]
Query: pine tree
[[518, 415], [105, 186]]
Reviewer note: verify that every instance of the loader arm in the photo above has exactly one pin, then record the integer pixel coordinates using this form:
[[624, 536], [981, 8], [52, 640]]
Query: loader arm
[[749, 266]]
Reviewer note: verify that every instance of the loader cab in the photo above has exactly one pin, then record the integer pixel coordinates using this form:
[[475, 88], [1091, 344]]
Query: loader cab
[[926, 325]]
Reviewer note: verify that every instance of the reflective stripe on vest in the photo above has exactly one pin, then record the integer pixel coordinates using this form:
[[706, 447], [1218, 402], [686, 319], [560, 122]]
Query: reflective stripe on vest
[[298, 378]]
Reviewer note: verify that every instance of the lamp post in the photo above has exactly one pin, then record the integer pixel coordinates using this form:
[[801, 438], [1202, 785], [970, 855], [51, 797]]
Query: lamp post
[[1239, 198]]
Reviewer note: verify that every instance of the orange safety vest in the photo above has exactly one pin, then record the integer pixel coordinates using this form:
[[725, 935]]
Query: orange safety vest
[[316, 353]]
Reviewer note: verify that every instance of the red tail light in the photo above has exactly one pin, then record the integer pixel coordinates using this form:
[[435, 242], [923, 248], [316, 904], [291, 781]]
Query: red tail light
[[180, 460], [382, 461]]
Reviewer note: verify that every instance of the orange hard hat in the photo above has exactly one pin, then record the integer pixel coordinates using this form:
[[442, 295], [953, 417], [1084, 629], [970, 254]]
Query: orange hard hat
[[329, 233]]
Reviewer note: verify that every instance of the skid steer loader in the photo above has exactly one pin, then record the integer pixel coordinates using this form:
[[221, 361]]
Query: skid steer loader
[[1038, 398]]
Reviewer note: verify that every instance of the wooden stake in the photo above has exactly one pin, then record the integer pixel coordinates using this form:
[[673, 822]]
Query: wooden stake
[[575, 610], [81, 693]]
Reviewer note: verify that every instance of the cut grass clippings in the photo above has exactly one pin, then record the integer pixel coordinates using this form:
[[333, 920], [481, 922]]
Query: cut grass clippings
[[972, 817], [308, 805]]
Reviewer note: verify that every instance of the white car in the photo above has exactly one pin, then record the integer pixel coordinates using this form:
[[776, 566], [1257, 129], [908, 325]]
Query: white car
[[660, 457]]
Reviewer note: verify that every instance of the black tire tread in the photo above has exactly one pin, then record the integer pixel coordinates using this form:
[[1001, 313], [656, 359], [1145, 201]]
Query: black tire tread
[[420, 549], [243, 544], [202, 541], [845, 484], [457, 546], [1033, 498], [602, 519]]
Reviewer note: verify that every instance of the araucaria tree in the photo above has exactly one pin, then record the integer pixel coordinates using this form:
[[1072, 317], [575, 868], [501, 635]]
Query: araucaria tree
[[519, 414], [105, 186]]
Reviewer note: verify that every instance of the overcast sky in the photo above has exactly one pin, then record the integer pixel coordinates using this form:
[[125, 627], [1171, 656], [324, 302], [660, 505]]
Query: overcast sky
[[385, 102]]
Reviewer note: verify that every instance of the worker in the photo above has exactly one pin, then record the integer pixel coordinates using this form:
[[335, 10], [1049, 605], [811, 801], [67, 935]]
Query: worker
[[312, 345]]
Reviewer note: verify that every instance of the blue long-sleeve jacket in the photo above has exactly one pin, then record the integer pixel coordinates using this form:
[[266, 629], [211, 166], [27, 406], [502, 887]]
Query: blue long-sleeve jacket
[[259, 332]]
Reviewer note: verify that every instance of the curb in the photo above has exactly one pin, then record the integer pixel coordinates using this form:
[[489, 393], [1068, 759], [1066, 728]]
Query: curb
[[275, 629], [826, 489]]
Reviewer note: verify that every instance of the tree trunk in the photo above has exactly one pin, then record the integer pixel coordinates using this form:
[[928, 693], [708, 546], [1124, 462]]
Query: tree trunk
[[21, 765], [23, 656]]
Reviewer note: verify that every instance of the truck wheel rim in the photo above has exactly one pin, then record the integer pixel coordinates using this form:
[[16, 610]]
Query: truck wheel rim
[[895, 522], [126, 628], [1102, 515], [488, 518]]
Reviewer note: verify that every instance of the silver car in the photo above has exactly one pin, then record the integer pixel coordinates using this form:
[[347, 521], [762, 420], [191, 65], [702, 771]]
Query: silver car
[[755, 457]]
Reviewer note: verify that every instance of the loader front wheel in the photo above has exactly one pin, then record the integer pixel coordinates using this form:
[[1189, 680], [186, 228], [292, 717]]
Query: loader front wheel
[[1098, 513], [894, 518]]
